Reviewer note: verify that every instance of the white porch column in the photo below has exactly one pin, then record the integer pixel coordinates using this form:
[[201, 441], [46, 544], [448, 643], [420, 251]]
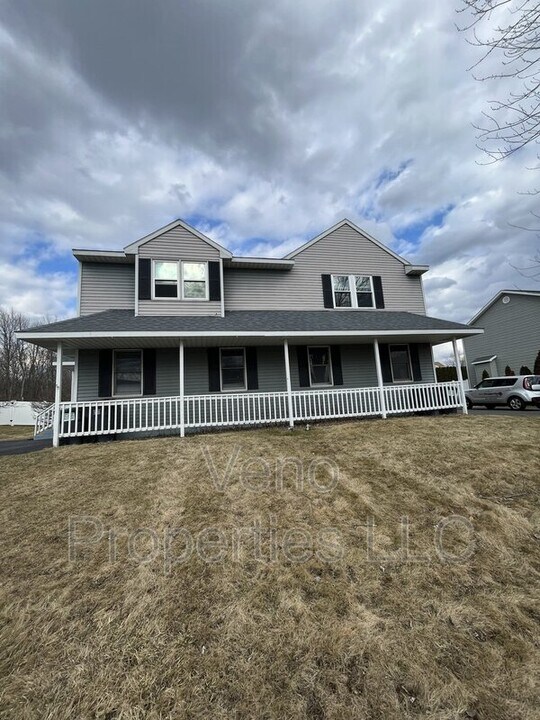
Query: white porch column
[[75, 378], [379, 377], [57, 396], [460, 377], [288, 379], [182, 388]]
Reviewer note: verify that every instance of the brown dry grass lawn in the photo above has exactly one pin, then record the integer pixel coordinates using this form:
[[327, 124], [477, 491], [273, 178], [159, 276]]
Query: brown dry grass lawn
[[16, 432], [298, 621]]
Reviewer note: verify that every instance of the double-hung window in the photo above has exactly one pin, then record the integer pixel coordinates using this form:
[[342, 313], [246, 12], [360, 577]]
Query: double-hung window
[[353, 291], [165, 279], [127, 372], [400, 362], [320, 366], [186, 280], [233, 369], [194, 280]]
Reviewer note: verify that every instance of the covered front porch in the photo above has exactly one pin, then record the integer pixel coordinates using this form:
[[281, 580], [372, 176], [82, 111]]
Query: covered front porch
[[248, 368], [279, 366]]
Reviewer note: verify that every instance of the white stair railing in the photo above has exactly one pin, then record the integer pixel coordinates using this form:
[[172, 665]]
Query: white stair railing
[[44, 420]]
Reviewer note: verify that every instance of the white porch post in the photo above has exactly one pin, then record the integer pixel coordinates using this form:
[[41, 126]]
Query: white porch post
[[57, 396], [75, 378], [460, 376], [182, 388], [379, 377], [288, 379]]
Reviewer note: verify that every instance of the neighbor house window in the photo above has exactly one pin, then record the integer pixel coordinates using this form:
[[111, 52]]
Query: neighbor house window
[[320, 367], [127, 372], [194, 279], [233, 368], [400, 361], [354, 291], [165, 279]]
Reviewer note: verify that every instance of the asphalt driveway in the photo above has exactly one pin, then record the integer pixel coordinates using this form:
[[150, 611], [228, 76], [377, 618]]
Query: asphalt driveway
[[529, 412], [21, 447]]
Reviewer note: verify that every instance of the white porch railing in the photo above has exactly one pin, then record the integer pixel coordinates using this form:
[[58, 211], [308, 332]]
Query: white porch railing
[[110, 417]]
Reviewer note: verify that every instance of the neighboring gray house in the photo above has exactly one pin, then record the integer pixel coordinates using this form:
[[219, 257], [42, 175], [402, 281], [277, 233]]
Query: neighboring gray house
[[174, 334], [511, 324]]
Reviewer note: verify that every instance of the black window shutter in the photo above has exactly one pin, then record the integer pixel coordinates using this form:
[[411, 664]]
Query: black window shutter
[[145, 279], [214, 281], [377, 289], [337, 372], [149, 371], [415, 362], [303, 365], [251, 368], [386, 368], [105, 373], [214, 382], [327, 291]]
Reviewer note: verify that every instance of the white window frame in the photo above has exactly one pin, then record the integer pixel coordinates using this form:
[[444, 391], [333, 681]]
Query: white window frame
[[352, 291], [232, 390], [393, 345], [198, 262], [180, 280], [177, 263], [320, 385], [113, 383]]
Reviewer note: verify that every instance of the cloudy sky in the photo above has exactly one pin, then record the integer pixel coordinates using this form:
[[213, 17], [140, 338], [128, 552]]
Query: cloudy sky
[[260, 123]]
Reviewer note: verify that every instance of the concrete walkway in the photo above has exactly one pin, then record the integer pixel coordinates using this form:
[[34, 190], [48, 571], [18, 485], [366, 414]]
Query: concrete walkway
[[21, 447]]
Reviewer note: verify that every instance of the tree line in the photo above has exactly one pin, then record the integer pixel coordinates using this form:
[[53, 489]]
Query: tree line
[[26, 371]]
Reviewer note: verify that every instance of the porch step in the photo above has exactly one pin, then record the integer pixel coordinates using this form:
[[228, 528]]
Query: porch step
[[44, 435]]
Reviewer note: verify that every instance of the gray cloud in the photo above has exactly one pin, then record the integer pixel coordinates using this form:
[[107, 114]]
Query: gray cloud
[[271, 122]]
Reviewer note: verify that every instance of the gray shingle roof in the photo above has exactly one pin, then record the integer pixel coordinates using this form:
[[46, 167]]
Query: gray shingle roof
[[240, 321]]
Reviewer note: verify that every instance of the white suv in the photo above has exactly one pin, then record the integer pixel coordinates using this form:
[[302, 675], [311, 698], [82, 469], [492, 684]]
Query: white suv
[[515, 391]]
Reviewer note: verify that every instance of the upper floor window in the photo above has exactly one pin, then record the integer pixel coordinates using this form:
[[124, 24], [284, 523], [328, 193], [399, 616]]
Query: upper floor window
[[353, 291], [188, 280], [320, 367], [165, 279], [194, 281]]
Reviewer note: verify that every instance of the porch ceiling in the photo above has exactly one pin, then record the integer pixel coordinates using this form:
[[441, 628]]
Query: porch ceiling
[[121, 328]]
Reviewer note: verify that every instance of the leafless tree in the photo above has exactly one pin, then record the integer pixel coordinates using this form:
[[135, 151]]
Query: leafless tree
[[508, 32], [26, 370]]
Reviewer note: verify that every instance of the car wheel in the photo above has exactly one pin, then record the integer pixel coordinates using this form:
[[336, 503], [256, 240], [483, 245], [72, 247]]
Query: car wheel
[[516, 403], [469, 404]]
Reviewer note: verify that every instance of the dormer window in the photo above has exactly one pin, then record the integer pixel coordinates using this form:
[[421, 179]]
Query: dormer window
[[353, 291], [186, 280], [165, 279], [195, 281]]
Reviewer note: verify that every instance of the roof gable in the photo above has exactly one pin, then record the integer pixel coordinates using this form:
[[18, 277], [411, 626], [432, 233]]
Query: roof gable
[[530, 293], [133, 247], [354, 227]]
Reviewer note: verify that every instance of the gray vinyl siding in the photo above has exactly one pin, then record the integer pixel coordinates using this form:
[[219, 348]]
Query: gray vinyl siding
[[106, 286], [87, 375], [511, 332], [358, 366], [178, 244], [342, 251]]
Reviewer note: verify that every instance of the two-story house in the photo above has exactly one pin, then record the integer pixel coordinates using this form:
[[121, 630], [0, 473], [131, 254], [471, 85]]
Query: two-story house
[[174, 333]]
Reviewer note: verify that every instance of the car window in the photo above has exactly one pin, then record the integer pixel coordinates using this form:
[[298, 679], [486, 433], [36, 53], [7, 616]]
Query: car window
[[485, 384], [505, 382]]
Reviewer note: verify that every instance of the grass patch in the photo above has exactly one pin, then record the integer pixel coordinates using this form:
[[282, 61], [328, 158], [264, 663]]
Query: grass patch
[[263, 631], [16, 432]]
